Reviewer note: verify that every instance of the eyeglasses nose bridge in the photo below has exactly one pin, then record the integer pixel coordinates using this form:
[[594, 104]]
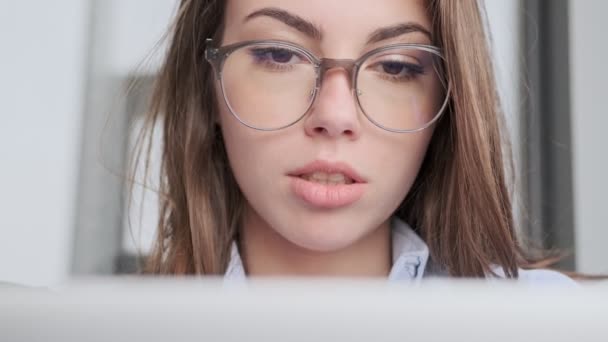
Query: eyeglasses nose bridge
[[326, 64]]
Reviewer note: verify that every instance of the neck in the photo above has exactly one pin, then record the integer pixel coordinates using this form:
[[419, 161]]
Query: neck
[[267, 253]]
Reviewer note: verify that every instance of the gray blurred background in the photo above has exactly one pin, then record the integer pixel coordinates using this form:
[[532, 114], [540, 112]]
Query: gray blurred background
[[66, 128]]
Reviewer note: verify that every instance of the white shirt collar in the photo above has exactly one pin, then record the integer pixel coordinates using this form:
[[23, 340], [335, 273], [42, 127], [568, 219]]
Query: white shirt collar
[[410, 256]]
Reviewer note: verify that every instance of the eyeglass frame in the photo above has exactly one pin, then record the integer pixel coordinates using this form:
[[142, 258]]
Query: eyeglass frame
[[217, 56]]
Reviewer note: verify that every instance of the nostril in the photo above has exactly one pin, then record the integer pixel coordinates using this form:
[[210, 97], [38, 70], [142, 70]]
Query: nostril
[[324, 131]]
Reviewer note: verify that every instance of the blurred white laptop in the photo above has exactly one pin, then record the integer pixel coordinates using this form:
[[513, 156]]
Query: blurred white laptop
[[296, 310]]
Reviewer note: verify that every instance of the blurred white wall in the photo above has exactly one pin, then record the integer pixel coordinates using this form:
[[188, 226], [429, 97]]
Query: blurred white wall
[[505, 22], [504, 19], [588, 74], [134, 27], [42, 68], [123, 36], [44, 65]]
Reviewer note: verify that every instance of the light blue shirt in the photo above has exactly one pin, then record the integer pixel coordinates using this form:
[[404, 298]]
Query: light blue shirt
[[410, 262]]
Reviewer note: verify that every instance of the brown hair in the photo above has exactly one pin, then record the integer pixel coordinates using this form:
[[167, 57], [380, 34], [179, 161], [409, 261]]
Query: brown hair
[[459, 204]]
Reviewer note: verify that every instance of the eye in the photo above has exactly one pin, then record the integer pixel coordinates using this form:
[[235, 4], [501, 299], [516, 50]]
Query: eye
[[393, 68], [397, 65], [276, 55], [397, 69]]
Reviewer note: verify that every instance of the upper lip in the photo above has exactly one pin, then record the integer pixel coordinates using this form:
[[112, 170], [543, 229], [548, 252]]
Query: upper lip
[[329, 167]]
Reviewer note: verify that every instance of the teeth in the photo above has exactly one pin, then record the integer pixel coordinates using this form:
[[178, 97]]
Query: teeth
[[328, 178]]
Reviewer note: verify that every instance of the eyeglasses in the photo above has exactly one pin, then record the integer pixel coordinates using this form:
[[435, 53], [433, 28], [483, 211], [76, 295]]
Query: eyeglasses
[[269, 85]]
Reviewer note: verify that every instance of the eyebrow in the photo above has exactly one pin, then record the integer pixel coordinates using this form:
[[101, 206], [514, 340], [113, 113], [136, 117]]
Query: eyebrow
[[289, 19], [394, 31], [314, 32]]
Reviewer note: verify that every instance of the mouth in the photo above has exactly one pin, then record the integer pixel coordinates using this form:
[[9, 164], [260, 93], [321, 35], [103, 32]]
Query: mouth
[[327, 178], [327, 173], [327, 185]]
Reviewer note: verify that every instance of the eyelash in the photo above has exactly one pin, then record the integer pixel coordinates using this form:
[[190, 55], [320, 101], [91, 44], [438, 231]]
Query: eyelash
[[261, 56], [411, 71]]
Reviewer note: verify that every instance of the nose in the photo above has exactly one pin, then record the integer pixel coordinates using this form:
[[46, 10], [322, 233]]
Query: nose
[[334, 113]]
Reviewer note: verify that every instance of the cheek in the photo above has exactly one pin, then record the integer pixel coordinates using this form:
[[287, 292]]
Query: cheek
[[399, 162], [252, 154], [239, 146]]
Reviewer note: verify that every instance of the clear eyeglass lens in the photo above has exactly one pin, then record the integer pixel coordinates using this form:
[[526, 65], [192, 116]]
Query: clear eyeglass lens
[[268, 86], [401, 88]]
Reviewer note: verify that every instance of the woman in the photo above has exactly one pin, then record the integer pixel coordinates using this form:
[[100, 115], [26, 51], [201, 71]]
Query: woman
[[333, 138]]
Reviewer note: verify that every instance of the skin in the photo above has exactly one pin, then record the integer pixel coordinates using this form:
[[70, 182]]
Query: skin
[[281, 235]]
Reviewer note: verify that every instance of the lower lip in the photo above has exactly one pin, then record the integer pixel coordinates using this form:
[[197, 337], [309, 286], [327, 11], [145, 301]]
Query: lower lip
[[326, 196]]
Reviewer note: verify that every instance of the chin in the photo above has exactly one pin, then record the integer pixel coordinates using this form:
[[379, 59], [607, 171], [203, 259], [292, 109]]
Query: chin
[[324, 236]]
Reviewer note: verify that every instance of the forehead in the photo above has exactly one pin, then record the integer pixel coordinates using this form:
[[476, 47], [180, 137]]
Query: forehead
[[336, 19]]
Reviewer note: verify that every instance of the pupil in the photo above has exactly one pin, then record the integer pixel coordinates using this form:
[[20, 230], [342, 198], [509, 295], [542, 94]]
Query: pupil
[[281, 56], [393, 68]]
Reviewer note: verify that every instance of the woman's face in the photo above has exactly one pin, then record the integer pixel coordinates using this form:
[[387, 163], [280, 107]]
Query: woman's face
[[333, 177]]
